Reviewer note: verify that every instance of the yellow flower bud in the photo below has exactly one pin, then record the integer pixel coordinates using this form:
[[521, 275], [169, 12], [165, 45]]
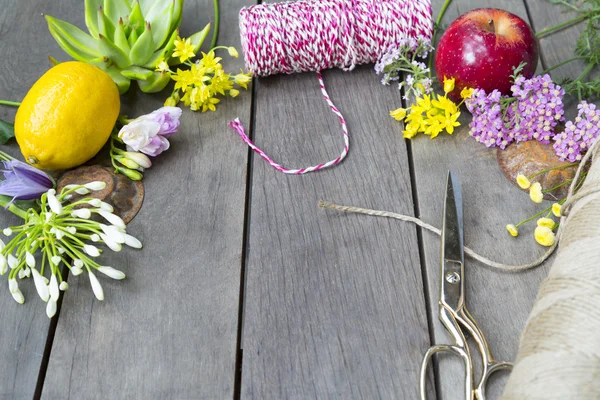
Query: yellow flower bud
[[535, 193], [131, 174], [448, 85], [512, 229], [398, 114], [170, 102], [232, 52], [556, 208], [544, 236], [523, 182], [234, 92], [466, 93], [547, 222]]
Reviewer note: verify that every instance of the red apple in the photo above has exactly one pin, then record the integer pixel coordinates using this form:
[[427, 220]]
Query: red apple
[[481, 48]]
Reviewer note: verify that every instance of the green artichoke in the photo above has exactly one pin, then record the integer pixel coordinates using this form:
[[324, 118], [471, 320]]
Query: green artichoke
[[126, 39]]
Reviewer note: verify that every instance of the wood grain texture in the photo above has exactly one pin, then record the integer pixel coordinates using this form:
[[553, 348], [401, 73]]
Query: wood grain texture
[[169, 330], [334, 305], [25, 43], [499, 301]]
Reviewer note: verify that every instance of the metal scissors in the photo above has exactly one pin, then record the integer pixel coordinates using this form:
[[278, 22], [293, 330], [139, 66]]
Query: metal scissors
[[452, 310]]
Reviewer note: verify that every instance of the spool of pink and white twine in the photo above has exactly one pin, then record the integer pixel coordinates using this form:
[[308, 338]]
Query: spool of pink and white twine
[[313, 35]]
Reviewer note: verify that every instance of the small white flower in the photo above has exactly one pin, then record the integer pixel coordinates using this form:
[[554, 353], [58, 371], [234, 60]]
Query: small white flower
[[29, 259], [91, 250], [21, 273], [7, 231], [107, 207], [53, 202], [40, 285], [96, 287], [60, 250], [12, 261], [27, 272], [112, 273], [77, 263], [13, 286], [72, 230], [2, 245], [54, 293], [18, 296], [112, 244], [132, 241], [83, 213], [113, 232], [82, 191], [3, 264], [95, 203], [112, 218], [76, 271], [48, 217], [46, 281], [63, 286], [68, 197], [55, 260], [51, 308], [96, 185], [95, 237], [59, 234]]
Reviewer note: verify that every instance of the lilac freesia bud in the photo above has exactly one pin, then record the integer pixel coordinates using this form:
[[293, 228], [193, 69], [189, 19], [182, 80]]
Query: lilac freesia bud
[[167, 117], [23, 182]]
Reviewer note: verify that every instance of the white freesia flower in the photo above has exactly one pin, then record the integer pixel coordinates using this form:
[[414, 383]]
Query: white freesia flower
[[51, 308], [83, 213], [111, 272], [54, 293], [112, 218], [40, 285], [132, 241], [53, 202], [96, 185], [12, 261], [96, 287], [91, 250], [138, 134]]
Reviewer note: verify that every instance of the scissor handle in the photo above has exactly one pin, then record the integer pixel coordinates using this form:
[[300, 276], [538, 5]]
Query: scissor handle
[[488, 371], [469, 393]]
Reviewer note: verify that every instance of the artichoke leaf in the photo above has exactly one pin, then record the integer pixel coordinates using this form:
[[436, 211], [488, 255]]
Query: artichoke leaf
[[136, 18], [165, 52], [133, 37], [146, 5], [137, 73], [78, 38], [91, 16], [122, 82], [155, 83], [159, 18], [105, 27], [177, 15], [115, 9], [120, 37], [198, 38], [68, 47], [142, 50], [110, 50]]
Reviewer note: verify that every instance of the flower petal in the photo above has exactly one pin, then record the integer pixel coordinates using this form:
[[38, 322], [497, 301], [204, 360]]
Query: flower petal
[[40, 285], [96, 287], [111, 272]]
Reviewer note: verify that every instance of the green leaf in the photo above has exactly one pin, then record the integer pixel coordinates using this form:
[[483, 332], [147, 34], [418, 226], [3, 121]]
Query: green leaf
[[7, 131], [91, 16], [146, 5], [115, 9], [105, 26], [133, 37], [155, 83], [115, 54], [136, 18], [159, 18], [120, 38], [73, 35], [122, 82], [142, 50], [177, 15], [137, 73], [164, 52], [65, 43], [198, 38]]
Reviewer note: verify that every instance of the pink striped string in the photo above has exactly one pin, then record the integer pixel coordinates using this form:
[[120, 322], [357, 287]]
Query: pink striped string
[[313, 35]]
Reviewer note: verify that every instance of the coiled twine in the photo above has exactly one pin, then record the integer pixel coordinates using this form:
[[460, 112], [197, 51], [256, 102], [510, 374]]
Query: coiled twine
[[313, 35]]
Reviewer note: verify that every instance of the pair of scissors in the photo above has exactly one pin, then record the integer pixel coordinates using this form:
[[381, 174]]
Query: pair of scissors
[[452, 310]]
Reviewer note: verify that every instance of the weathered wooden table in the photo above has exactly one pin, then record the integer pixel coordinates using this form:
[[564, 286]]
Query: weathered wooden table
[[244, 288]]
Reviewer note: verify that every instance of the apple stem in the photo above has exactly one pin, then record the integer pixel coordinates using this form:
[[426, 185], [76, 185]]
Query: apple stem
[[491, 24]]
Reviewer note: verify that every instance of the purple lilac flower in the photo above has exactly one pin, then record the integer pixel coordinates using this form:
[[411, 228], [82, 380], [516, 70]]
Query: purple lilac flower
[[579, 135], [23, 182]]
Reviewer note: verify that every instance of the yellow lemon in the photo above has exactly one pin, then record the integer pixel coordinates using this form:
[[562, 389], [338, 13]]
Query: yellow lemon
[[67, 116]]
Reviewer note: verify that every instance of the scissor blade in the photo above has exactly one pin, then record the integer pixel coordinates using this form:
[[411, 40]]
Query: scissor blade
[[452, 252]]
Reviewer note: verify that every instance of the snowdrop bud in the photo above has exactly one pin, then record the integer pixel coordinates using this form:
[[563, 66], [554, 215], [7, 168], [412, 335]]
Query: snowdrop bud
[[12, 261], [46, 281], [54, 288], [18, 296], [7, 231], [55, 260], [83, 213], [60, 250], [111, 272], [29, 259], [78, 263], [40, 285], [112, 244], [113, 232], [2, 245], [96, 185], [22, 274], [68, 197], [96, 287], [95, 202], [132, 242], [95, 237], [91, 250], [82, 191], [27, 272], [3, 264], [52, 230], [63, 286], [76, 271], [106, 207], [59, 234], [72, 230], [13, 286], [53, 202], [51, 308], [141, 159], [112, 218], [48, 217]]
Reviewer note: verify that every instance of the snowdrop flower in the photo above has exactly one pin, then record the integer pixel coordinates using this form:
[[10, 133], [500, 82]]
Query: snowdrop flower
[[40, 285], [83, 213], [95, 185], [111, 272], [29, 259], [51, 308], [53, 202], [91, 250], [96, 287], [63, 286]]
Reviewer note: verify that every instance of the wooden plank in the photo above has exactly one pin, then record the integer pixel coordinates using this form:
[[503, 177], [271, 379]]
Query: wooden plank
[[334, 304], [499, 301], [169, 331], [25, 44]]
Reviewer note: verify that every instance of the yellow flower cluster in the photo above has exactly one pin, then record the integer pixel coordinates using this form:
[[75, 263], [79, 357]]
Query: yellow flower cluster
[[199, 86], [432, 114]]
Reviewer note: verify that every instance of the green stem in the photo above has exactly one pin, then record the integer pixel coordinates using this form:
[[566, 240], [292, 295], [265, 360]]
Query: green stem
[[534, 217], [19, 212], [552, 169], [562, 63], [5, 157], [213, 42], [585, 72], [560, 26], [437, 23], [10, 103]]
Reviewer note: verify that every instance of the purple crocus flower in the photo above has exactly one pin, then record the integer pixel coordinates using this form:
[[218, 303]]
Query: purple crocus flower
[[23, 182]]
